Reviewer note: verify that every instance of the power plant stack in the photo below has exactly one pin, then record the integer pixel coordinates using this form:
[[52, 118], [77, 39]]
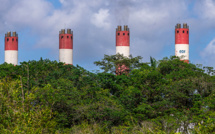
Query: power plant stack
[[122, 47], [66, 46], [123, 41], [182, 42], [11, 48]]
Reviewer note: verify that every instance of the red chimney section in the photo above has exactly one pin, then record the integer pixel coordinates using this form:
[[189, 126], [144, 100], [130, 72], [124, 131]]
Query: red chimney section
[[122, 37]]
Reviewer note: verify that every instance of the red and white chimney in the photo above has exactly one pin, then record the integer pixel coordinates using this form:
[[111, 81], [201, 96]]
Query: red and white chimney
[[123, 41], [122, 47], [11, 48], [66, 46], [182, 42]]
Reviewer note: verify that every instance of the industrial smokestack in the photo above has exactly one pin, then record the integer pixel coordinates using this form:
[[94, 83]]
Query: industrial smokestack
[[123, 41], [122, 47], [11, 48], [66, 46], [182, 42]]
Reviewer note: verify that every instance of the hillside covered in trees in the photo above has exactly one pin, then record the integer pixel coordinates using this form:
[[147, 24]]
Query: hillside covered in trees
[[49, 97]]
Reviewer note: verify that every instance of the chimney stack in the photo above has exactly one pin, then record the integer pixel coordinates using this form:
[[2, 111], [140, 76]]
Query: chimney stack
[[122, 47], [66, 46], [182, 42], [11, 48]]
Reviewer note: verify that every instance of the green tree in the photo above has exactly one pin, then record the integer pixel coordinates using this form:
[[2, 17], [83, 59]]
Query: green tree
[[112, 63]]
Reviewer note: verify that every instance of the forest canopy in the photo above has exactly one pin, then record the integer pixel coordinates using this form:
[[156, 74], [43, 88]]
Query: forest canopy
[[165, 96]]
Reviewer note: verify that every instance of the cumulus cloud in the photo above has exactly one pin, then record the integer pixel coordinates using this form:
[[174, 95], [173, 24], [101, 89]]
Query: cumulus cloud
[[202, 29], [101, 18], [121, 10], [210, 49], [27, 13], [209, 53], [206, 9]]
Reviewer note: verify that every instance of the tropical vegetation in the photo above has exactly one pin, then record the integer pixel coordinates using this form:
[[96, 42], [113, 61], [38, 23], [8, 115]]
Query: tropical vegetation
[[166, 96]]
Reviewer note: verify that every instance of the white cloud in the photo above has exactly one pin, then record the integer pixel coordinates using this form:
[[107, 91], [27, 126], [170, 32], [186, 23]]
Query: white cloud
[[203, 29], [101, 18], [62, 1], [27, 12], [206, 9], [208, 53]]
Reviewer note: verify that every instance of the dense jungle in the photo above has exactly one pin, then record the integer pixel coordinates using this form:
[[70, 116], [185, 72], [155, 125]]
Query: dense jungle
[[166, 96]]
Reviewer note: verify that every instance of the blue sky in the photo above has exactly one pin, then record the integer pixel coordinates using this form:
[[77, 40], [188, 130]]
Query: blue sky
[[93, 22]]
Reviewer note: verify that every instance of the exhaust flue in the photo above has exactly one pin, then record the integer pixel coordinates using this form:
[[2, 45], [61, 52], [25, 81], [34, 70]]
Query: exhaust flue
[[66, 46], [11, 48], [182, 42]]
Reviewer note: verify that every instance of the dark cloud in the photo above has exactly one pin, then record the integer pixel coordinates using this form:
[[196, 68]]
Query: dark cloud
[[121, 10]]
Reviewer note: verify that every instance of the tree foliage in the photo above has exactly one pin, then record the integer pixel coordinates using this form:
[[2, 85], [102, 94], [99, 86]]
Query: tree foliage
[[49, 97], [111, 63]]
